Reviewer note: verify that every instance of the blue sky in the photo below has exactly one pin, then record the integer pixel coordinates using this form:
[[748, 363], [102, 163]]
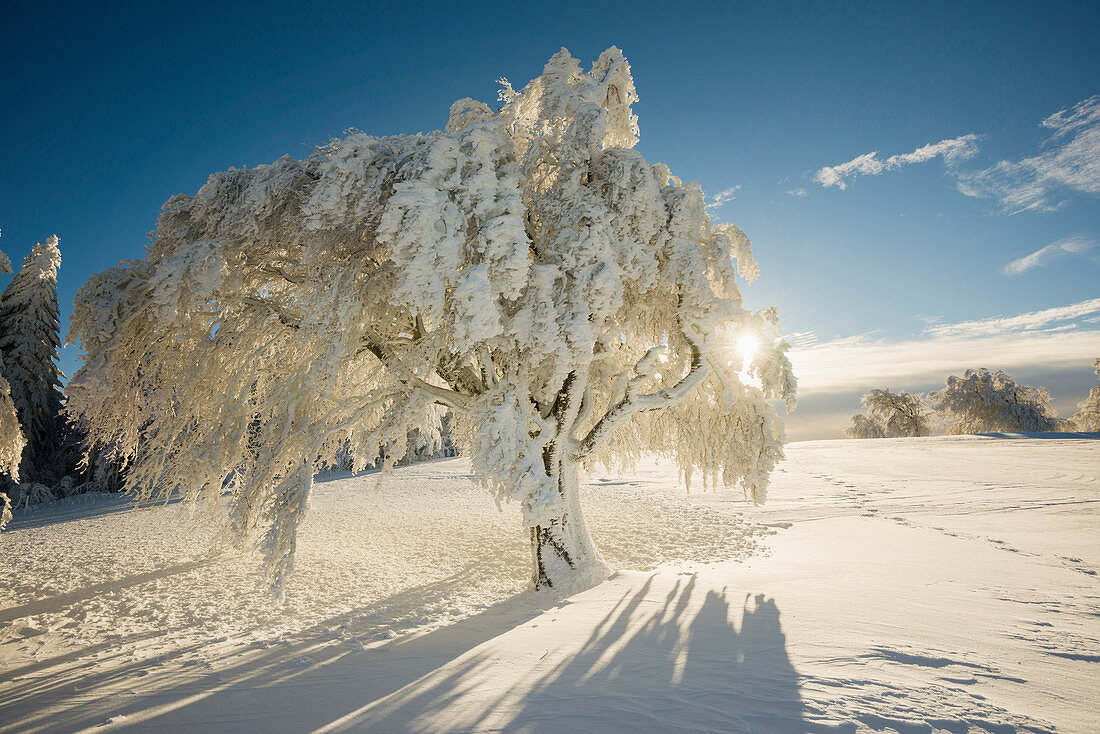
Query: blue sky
[[110, 111]]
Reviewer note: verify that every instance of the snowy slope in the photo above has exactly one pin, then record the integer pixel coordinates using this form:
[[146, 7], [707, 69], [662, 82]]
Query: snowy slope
[[910, 585]]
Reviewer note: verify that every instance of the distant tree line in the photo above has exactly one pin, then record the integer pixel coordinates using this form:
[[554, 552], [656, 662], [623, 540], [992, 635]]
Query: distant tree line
[[978, 402]]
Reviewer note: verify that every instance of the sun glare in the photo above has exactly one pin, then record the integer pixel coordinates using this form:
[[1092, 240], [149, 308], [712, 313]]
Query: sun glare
[[747, 346]]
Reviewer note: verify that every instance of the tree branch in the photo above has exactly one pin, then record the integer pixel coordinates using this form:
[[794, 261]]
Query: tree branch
[[450, 398], [285, 317], [632, 402], [455, 398]]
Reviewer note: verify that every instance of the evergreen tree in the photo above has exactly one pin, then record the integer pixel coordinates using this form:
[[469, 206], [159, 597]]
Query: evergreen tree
[[29, 339], [11, 435]]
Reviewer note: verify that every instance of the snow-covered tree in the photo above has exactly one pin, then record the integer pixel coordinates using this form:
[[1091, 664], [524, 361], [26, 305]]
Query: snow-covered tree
[[988, 402], [891, 415], [29, 339], [525, 268], [863, 426], [1087, 417], [11, 434]]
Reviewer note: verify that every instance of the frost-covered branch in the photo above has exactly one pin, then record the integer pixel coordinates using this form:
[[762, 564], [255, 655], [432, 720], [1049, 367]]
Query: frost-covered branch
[[450, 398], [985, 402], [892, 415], [632, 402], [512, 267]]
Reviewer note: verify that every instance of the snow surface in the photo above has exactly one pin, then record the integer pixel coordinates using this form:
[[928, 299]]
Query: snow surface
[[911, 585]]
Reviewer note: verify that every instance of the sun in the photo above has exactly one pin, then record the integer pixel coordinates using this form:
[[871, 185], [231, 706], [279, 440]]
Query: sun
[[747, 346]]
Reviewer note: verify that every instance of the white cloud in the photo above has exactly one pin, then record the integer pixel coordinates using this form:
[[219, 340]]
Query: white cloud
[[1069, 246], [722, 197], [1042, 340], [951, 150], [928, 319], [798, 193], [1025, 322], [801, 338], [1070, 163]]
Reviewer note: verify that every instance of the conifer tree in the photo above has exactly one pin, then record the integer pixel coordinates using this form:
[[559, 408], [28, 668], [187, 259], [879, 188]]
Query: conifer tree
[[29, 339], [11, 435]]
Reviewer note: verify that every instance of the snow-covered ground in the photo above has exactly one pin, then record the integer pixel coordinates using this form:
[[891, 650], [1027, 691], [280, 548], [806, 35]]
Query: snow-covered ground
[[909, 585]]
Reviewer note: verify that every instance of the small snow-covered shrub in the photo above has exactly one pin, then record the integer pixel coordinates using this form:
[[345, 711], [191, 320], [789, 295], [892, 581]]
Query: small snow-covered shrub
[[27, 495]]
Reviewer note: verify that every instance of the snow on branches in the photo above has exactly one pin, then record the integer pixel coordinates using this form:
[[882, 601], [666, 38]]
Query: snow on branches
[[12, 440], [525, 267], [1087, 417], [988, 402], [891, 415], [29, 318]]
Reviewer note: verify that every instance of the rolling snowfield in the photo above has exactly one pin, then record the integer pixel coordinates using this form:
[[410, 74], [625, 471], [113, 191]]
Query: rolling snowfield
[[900, 585]]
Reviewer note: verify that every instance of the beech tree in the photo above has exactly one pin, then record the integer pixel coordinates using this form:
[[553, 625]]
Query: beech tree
[[29, 339], [987, 402], [891, 415], [1087, 417], [863, 426], [525, 268]]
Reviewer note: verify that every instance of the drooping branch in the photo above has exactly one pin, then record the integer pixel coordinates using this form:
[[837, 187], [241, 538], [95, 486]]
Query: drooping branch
[[286, 318], [631, 402], [452, 399], [462, 387]]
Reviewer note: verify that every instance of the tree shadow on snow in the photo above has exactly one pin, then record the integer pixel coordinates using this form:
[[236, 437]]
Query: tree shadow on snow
[[1086, 435], [659, 661], [294, 683], [670, 659]]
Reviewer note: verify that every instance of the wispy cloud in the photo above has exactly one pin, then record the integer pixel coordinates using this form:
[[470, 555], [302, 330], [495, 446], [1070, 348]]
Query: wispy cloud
[[1025, 322], [1053, 338], [722, 197], [951, 150], [801, 338], [1069, 246], [798, 193], [1070, 163], [928, 319]]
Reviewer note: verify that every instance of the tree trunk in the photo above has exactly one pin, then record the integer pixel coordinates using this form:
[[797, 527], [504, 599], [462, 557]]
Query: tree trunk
[[562, 551]]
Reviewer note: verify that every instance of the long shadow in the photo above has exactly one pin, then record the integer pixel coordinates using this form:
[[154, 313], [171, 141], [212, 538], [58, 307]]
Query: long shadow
[[682, 659], [677, 664], [79, 508], [1086, 435], [61, 601], [253, 689]]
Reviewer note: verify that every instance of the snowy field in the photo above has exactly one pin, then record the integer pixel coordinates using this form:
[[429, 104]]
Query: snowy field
[[907, 585]]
